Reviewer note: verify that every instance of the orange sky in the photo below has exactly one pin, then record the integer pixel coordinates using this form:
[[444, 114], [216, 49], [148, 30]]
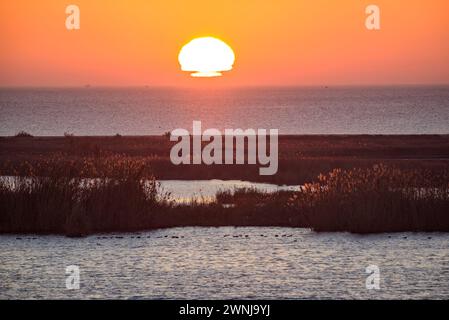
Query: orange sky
[[283, 42]]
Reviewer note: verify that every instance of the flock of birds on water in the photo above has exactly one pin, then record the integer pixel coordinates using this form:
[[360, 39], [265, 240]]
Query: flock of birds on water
[[104, 237]]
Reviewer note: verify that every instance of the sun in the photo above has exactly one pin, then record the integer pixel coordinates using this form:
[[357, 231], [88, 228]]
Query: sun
[[206, 57]]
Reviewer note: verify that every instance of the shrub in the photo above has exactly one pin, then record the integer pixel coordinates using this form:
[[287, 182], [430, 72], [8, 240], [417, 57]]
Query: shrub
[[23, 134]]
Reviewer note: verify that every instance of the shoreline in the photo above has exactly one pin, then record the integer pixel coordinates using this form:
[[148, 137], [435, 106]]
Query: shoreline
[[301, 157]]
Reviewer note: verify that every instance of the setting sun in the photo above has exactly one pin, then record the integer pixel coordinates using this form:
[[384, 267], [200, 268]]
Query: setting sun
[[206, 57]]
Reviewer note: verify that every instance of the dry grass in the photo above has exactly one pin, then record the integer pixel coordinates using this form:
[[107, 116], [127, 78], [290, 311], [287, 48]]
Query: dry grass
[[379, 199], [83, 195], [301, 158], [80, 197]]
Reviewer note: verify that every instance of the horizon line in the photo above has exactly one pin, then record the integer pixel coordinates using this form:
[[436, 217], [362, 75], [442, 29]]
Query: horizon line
[[147, 86]]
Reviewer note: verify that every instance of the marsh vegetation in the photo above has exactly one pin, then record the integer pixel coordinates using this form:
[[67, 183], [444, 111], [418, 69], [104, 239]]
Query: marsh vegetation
[[120, 193]]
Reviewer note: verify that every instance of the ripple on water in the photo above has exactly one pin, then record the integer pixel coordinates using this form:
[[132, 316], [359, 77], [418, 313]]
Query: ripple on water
[[227, 262]]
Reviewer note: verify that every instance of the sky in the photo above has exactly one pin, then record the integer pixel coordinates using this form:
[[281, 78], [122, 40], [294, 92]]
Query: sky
[[282, 42]]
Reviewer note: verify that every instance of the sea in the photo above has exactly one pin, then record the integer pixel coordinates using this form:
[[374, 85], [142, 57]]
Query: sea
[[291, 110]]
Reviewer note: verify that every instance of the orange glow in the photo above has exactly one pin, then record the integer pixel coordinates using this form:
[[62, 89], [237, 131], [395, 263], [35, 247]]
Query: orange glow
[[285, 42]]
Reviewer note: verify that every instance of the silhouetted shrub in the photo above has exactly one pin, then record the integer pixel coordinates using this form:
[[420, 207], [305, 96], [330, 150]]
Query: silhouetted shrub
[[23, 134]]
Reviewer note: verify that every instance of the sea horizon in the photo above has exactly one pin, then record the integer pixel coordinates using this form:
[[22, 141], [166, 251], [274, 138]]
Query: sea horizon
[[105, 111]]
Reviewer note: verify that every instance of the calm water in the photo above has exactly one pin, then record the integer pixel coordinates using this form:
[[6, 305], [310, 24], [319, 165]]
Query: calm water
[[205, 190], [96, 111], [226, 263], [186, 191]]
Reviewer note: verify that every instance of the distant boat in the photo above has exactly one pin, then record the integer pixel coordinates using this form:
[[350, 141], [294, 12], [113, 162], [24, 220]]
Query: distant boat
[[87, 86]]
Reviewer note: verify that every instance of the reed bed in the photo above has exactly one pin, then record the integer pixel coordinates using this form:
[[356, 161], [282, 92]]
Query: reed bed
[[379, 199], [119, 193], [79, 197], [301, 158]]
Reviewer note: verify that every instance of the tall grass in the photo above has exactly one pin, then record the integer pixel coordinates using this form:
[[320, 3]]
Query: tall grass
[[301, 158], [259, 208], [80, 197], [379, 199]]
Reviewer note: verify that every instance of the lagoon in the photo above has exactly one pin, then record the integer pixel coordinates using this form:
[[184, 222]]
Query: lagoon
[[226, 263]]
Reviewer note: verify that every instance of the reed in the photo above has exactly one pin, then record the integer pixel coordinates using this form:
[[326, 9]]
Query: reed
[[117, 193], [378, 199], [301, 158], [79, 197]]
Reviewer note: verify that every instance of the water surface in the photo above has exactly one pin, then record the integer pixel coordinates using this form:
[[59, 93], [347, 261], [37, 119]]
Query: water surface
[[185, 191], [307, 110], [226, 263]]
